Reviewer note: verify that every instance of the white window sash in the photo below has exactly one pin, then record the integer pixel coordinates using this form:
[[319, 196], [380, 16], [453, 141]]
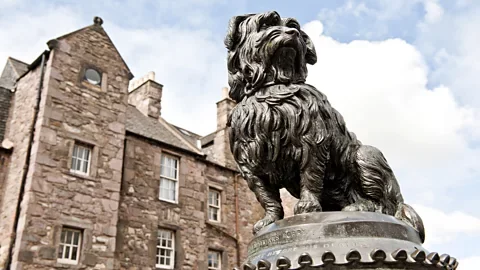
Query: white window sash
[[216, 204], [68, 247], [81, 157], [171, 249], [217, 260], [170, 163]]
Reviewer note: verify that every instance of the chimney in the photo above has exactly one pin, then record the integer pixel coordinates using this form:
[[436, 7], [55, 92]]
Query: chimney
[[221, 141], [146, 95], [224, 107]]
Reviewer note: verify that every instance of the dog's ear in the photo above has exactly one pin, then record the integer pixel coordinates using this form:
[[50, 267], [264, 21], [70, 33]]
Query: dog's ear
[[233, 34], [311, 56]]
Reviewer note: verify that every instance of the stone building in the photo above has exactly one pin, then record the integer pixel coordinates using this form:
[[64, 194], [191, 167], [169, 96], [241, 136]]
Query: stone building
[[92, 177]]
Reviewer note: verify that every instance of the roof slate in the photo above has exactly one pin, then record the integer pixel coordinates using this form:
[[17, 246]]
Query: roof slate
[[153, 129], [20, 67]]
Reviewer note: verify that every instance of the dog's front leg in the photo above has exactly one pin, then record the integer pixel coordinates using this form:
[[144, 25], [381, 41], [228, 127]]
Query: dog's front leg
[[269, 198], [311, 183]]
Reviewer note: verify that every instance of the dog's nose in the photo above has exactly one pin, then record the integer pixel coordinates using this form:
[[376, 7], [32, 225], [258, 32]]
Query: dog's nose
[[292, 31]]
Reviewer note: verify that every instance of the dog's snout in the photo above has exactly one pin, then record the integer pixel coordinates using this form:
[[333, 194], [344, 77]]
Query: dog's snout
[[292, 31]]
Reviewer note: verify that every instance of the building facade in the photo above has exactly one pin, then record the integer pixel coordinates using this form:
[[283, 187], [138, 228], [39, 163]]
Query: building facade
[[92, 177]]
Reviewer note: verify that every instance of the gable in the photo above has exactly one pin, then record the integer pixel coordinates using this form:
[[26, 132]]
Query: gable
[[90, 34]]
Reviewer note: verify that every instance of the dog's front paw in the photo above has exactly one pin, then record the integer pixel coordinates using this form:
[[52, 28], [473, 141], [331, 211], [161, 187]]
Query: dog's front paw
[[262, 223], [363, 206], [307, 206]]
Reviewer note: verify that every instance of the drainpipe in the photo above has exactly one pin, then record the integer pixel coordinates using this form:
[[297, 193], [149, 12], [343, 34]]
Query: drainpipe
[[237, 225], [26, 166]]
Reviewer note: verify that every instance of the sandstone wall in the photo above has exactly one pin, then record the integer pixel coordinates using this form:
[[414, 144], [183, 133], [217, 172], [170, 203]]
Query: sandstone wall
[[73, 110], [4, 164], [18, 129], [142, 213]]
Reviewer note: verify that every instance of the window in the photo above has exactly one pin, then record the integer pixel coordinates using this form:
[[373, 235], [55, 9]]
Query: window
[[214, 260], [69, 249], [165, 249], [168, 178], [213, 205], [92, 76], [81, 157]]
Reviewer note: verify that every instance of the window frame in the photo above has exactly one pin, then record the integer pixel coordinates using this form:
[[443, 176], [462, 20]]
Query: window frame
[[63, 245], [176, 180], [100, 74], [218, 207], [89, 161], [219, 257], [159, 247]]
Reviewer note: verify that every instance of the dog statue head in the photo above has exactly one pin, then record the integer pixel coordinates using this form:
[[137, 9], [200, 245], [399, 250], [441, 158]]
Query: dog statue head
[[264, 49]]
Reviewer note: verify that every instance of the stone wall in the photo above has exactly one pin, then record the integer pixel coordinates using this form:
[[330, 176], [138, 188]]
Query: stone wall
[[18, 129], [4, 164], [5, 99], [147, 96], [221, 146], [73, 110], [142, 213]]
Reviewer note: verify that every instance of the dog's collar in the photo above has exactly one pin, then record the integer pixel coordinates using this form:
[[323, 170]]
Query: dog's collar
[[272, 83]]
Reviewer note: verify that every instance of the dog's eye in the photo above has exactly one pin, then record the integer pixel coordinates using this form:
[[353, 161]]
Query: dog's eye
[[294, 25], [263, 27]]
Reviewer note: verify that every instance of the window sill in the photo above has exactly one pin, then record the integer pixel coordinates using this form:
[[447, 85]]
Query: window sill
[[164, 267], [83, 176], [217, 224], [66, 265], [170, 202]]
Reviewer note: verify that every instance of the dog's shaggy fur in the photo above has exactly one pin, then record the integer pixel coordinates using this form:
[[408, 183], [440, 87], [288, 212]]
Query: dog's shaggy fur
[[285, 134]]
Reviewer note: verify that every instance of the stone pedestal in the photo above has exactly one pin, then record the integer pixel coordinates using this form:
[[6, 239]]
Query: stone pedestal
[[341, 240]]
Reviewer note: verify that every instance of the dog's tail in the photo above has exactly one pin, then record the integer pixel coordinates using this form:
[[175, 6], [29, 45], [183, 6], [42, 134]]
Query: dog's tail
[[407, 214]]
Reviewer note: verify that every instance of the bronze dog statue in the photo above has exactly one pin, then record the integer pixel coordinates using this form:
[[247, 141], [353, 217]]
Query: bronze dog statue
[[285, 134]]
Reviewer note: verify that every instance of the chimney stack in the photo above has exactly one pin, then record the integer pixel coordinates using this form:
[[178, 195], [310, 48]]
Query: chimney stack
[[224, 107], [221, 140], [146, 95]]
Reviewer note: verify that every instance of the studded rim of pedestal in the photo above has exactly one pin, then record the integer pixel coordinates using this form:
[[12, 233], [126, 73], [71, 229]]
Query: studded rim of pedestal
[[377, 257]]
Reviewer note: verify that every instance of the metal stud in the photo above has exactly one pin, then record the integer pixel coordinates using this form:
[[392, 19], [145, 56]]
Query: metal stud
[[419, 255], [455, 265], [283, 263], [263, 265], [400, 255], [305, 260], [378, 255], [452, 261], [354, 256], [328, 257], [249, 266], [444, 259], [433, 257]]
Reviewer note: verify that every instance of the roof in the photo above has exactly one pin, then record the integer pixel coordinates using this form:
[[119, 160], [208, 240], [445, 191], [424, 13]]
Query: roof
[[188, 135], [158, 130], [13, 70], [208, 139], [19, 67]]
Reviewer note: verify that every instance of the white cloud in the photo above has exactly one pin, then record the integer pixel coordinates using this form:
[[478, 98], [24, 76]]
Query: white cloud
[[189, 63], [469, 263], [453, 38], [380, 89], [25, 35], [433, 11], [445, 227]]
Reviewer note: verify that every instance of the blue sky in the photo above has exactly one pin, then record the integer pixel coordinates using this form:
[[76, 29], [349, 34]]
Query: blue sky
[[403, 73]]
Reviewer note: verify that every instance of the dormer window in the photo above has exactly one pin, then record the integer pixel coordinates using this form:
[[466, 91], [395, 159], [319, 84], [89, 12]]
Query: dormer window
[[93, 76]]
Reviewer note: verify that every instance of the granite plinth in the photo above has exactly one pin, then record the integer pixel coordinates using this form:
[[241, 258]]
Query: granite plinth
[[341, 240]]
